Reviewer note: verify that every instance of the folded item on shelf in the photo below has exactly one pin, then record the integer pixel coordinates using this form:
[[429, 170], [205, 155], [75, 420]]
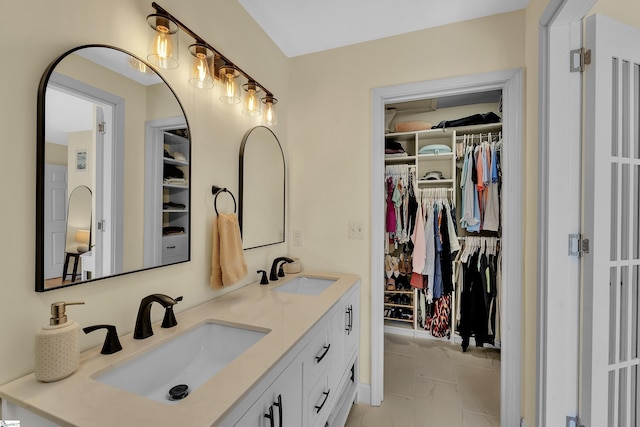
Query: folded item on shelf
[[171, 171], [474, 119], [433, 175], [172, 230], [435, 149], [175, 181], [172, 205], [412, 126]]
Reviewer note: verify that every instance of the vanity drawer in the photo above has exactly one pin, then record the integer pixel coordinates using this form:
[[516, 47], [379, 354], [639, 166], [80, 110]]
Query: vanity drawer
[[320, 401], [319, 354], [175, 248]]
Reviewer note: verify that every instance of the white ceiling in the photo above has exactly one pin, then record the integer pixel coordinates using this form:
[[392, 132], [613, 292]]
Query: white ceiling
[[299, 27]]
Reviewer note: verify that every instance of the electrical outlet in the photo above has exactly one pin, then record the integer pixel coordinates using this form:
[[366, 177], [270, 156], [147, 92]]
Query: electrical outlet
[[297, 237], [356, 230]]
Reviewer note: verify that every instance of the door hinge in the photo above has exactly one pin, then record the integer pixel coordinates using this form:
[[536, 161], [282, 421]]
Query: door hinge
[[577, 245], [573, 421], [578, 59], [102, 127], [101, 225]]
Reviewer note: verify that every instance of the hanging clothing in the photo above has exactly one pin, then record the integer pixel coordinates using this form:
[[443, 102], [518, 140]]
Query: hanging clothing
[[478, 294]]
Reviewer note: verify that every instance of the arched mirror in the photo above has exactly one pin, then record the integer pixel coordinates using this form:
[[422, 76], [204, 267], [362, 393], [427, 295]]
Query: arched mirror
[[262, 189], [109, 124]]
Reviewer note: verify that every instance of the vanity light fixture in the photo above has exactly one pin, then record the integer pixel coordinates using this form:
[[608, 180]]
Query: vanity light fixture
[[200, 66], [164, 47], [269, 112], [251, 100], [229, 92], [164, 55]]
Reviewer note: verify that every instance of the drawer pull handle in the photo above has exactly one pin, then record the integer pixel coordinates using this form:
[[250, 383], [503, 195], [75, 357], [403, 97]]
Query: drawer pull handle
[[326, 396], [326, 350], [171, 247], [349, 312], [270, 417], [279, 405]]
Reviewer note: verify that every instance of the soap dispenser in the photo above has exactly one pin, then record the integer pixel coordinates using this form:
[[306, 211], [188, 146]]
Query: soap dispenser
[[57, 345]]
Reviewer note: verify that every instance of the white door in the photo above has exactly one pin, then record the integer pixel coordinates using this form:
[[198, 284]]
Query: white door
[[55, 219], [611, 268]]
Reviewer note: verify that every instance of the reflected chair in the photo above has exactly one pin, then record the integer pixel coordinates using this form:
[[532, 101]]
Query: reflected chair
[[74, 250]]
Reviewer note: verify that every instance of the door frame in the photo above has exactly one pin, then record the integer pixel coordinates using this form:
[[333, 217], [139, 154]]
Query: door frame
[[559, 198], [116, 180], [511, 83]]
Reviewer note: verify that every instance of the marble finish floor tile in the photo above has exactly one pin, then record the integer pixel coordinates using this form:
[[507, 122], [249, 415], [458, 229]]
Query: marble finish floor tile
[[434, 384], [479, 390]]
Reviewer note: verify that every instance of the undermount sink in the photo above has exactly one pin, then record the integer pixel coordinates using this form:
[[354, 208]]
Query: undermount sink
[[182, 364], [305, 285]]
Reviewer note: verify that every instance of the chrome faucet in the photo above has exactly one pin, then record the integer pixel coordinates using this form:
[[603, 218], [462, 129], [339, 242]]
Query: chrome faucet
[[274, 267], [143, 321]]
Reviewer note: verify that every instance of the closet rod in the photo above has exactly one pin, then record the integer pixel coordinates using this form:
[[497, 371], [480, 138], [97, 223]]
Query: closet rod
[[463, 238]]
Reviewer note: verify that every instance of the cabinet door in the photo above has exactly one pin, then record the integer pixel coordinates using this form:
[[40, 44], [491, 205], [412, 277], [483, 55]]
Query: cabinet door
[[351, 330], [281, 404]]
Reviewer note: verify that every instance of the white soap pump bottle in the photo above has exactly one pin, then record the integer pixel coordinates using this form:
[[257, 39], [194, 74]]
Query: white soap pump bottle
[[57, 352]]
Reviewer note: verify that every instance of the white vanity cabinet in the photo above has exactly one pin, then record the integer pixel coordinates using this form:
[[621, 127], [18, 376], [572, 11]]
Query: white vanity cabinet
[[281, 404], [316, 381]]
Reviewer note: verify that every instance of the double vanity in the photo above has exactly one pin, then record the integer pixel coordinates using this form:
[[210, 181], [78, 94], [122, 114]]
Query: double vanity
[[283, 354]]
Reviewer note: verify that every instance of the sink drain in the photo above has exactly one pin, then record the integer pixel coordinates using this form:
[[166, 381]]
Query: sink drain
[[178, 392]]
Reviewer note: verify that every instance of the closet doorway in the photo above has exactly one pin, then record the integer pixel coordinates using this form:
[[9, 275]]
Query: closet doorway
[[510, 83]]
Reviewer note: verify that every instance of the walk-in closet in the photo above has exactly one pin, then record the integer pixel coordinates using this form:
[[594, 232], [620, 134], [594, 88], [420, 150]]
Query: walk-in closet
[[442, 238]]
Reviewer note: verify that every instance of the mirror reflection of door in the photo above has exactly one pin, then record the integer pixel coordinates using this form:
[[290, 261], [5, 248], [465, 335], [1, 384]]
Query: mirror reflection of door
[[77, 256], [80, 147], [55, 218]]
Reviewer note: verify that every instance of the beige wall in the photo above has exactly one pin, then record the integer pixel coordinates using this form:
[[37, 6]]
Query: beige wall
[[330, 122], [30, 42]]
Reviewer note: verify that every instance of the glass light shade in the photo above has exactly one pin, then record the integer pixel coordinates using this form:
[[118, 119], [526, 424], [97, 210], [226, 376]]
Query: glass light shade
[[230, 93], [200, 70], [164, 47], [269, 111], [252, 103]]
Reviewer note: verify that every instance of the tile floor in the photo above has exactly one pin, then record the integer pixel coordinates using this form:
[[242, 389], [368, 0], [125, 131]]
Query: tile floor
[[434, 384]]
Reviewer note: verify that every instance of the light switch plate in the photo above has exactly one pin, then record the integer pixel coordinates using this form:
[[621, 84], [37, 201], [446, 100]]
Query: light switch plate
[[297, 237], [356, 230]]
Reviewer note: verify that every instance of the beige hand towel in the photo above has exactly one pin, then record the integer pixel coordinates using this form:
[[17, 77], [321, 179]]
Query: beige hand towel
[[227, 257]]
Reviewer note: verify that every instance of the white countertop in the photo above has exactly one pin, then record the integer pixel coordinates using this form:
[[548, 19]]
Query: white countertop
[[82, 401]]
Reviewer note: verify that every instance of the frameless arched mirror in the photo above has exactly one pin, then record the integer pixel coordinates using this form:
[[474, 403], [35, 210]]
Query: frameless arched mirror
[[109, 123], [262, 189]]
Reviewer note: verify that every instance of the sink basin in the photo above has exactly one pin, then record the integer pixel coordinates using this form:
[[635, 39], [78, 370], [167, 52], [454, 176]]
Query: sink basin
[[305, 285], [190, 359]]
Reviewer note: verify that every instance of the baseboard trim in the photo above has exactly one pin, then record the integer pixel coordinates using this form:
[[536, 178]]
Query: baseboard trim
[[364, 394]]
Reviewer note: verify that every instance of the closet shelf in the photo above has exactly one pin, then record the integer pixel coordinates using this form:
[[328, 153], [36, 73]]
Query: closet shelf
[[396, 319], [400, 160], [399, 292], [435, 182], [390, 304], [443, 156]]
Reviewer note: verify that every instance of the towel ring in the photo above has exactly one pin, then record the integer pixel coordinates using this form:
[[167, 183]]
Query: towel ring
[[215, 190]]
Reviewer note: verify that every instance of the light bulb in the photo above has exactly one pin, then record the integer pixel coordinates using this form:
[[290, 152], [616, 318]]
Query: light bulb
[[269, 113], [251, 101], [163, 44], [200, 74], [229, 77]]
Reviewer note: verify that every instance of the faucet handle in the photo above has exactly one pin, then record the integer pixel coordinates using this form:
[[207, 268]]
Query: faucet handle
[[111, 342], [169, 320], [263, 280]]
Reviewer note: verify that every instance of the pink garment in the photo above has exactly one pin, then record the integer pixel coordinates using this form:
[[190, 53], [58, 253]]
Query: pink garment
[[391, 208]]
